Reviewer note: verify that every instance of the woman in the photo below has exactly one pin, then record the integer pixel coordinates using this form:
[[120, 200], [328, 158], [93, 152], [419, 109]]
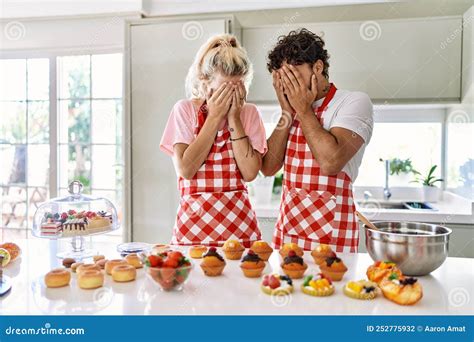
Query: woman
[[217, 142]]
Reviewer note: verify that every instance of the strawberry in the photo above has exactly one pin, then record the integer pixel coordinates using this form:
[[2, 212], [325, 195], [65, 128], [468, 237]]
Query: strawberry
[[71, 212], [265, 281], [251, 252], [291, 253], [170, 263], [64, 216], [175, 255], [155, 261], [212, 249], [273, 282]]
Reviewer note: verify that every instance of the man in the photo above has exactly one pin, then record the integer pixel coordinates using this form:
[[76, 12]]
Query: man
[[319, 141]]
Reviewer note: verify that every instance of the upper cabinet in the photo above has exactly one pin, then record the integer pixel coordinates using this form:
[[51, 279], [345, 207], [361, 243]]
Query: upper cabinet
[[403, 60], [468, 57]]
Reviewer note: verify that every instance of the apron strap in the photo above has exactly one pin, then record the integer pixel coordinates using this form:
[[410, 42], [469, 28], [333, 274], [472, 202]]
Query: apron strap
[[329, 96]]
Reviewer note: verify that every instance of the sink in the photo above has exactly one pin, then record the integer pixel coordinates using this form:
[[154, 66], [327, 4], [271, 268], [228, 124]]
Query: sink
[[374, 204]]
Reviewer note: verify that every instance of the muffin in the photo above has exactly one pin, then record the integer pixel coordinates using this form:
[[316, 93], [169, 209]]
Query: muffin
[[293, 265], [252, 265], [291, 247], [334, 268], [212, 263], [361, 289], [233, 249], [322, 252], [196, 252], [317, 285], [262, 249]]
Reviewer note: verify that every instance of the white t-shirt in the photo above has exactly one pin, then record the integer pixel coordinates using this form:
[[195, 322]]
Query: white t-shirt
[[351, 110]]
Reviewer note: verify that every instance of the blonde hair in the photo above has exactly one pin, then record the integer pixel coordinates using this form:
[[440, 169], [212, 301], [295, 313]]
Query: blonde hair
[[220, 54]]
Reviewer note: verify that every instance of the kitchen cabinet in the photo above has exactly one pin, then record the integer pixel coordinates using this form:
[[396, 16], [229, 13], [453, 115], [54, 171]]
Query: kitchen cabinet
[[402, 60], [468, 57], [158, 55]]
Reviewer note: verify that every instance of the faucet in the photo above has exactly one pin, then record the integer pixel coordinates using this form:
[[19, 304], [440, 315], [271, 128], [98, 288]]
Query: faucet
[[386, 189], [367, 195]]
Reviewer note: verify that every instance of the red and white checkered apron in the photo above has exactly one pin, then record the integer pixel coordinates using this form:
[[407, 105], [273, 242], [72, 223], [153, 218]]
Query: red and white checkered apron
[[214, 204], [314, 208]]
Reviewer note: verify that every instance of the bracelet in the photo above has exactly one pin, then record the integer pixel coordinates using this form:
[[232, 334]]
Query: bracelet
[[236, 139]]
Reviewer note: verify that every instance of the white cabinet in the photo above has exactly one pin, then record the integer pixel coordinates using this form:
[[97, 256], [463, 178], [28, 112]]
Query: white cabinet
[[468, 57], [399, 60], [159, 53]]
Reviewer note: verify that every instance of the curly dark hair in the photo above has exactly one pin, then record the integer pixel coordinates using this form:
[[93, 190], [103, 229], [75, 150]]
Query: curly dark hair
[[299, 47]]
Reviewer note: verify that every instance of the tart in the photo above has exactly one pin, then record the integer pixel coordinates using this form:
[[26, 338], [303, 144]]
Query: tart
[[293, 265], [401, 290], [196, 252], [277, 285], [381, 270], [317, 285], [291, 247], [262, 249], [252, 265], [212, 263], [322, 252], [361, 289], [334, 268], [233, 249]]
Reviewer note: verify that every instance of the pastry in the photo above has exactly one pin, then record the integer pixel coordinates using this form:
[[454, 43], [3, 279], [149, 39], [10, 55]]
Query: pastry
[[262, 249], [291, 247], [252, 265], [12, 248], [322, 252], [72, 223], [277, 285], [124, 273], [212, 263], [75, 265], [101, 263], [109, 265], [91, 279], [57, 278], [361, 289], [233, 249], [87, 267], [334, 268], [98, 257], [382, 269], [317, 285], [400, 289], [196, 252], [50, 228], [67, 262], [159, 249], [5, 257], [134, 260], [293, 265]]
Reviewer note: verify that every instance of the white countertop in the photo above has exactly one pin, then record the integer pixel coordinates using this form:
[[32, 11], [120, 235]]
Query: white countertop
[[447, 291]]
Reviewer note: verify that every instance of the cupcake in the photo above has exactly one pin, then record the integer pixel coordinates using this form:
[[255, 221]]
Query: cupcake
[[277, 285], [291, 247], [262, 249], [334, 268], [233, 249], [293, 265], [196, 252], [361, 289], [317, 285], [322, 252], [212, 263], [252, 265]]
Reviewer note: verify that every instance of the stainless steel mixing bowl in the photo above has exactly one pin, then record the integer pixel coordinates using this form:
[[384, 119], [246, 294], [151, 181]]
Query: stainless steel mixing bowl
[[417, 248]]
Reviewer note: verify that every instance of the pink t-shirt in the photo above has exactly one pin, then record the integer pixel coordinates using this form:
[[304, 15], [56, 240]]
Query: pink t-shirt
[[183, 119]]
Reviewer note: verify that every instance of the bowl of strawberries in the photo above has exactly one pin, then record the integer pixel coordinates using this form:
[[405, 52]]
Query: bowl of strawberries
[[169, 269]]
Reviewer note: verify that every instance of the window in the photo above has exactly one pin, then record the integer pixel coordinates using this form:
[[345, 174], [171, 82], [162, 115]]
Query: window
[[85, 124]]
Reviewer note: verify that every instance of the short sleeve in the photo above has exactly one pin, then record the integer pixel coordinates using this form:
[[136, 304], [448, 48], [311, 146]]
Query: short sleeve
[[254, 128], [357, 115], [180, 126]]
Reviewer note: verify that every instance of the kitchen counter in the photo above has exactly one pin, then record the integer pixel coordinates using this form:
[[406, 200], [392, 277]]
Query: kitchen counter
[[447, 291]]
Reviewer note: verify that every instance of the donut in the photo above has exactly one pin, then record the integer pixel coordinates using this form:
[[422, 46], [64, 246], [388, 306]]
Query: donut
[[101, 263], [98, 257], [123, 273], [75, 266], [90, 279], [57, 278], [87, 267], [134, 260], [196, 252], [67, 262], [109, 265]]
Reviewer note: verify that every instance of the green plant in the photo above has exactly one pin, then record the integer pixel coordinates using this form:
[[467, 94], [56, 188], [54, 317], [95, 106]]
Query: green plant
[[429, 179], [398, 166]]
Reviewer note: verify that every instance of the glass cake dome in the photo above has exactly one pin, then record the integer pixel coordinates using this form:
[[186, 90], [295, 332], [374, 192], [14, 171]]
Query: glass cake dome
[[75, 216]]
